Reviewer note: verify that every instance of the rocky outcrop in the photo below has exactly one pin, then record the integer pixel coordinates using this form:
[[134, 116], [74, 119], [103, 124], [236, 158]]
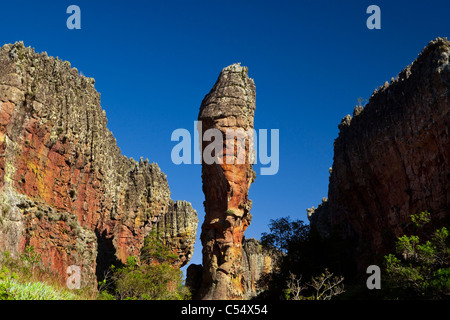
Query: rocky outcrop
[[64, 185], [256, 262], [230, 105], [178, 229], [392, 158]]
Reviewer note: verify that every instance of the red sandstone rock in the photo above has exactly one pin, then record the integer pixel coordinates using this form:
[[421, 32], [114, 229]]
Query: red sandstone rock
[[229, 105]]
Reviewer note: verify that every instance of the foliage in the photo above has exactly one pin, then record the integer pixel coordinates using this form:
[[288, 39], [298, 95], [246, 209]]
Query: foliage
[[23, 278], [305, 252], [152, 277], [421, 219], [284, 233], [12, 289], [149, 282], [154, 250], [30, 260], [420, 269]]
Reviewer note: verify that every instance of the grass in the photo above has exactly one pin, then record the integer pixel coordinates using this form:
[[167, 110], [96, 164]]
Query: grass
[[13, 289], [24, 278]]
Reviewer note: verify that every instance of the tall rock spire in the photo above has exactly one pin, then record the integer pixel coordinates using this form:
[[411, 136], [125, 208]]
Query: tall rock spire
[[228, 109]]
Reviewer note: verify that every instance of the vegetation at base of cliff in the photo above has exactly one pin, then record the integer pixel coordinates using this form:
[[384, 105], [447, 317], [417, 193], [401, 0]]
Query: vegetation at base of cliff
[[11, 288], [322, 287], [420, 269], [23, 278], [306, 256], [152, 277]]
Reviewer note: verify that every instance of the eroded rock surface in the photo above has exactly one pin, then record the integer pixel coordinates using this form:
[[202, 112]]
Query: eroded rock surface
[[256, 262], [65, 187], [230, 105], [392, 158]]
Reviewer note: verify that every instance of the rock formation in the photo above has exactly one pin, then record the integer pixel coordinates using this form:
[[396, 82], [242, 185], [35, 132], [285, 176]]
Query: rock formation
[[178, 229], [230, 105], [392, 159], [65, 188], [256, 262]]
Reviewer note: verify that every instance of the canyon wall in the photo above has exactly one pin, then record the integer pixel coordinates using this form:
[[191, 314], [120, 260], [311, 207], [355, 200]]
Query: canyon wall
[[65, 187], [392, 159]]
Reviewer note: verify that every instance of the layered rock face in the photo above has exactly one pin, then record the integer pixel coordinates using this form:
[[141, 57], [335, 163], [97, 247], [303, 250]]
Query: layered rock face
[[230, 105], [65, 188], [392, 158], [257, 261], [178, 229]]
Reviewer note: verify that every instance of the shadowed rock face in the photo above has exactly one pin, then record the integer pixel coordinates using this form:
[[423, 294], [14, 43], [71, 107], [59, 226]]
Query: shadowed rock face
[[229, 106], [256, 262], [65, 188], [392, 158]]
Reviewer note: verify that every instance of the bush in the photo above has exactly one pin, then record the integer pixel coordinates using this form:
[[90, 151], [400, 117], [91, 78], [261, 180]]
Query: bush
[[34, 291], [155, 251], [149, 282], [420, 269], [152, 277]]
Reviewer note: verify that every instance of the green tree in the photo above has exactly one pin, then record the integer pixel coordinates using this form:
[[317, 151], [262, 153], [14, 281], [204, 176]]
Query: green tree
[[285, 233], [305, 254], [420, 269]]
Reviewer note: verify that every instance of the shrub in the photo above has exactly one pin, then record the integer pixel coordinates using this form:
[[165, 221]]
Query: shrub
[[149, 282], [420, 269], [152, 277], [154, 250]]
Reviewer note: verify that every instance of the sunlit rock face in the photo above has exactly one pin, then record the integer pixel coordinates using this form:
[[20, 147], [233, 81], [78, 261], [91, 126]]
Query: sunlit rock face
[[65, 187], [229, 107]]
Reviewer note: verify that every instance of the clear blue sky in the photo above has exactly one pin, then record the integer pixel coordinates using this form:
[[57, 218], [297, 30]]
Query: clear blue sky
[[154, 61]]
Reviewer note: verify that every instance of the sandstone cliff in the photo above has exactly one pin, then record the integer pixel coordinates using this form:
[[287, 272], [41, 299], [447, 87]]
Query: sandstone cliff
[[65, 188], [392, 159]]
